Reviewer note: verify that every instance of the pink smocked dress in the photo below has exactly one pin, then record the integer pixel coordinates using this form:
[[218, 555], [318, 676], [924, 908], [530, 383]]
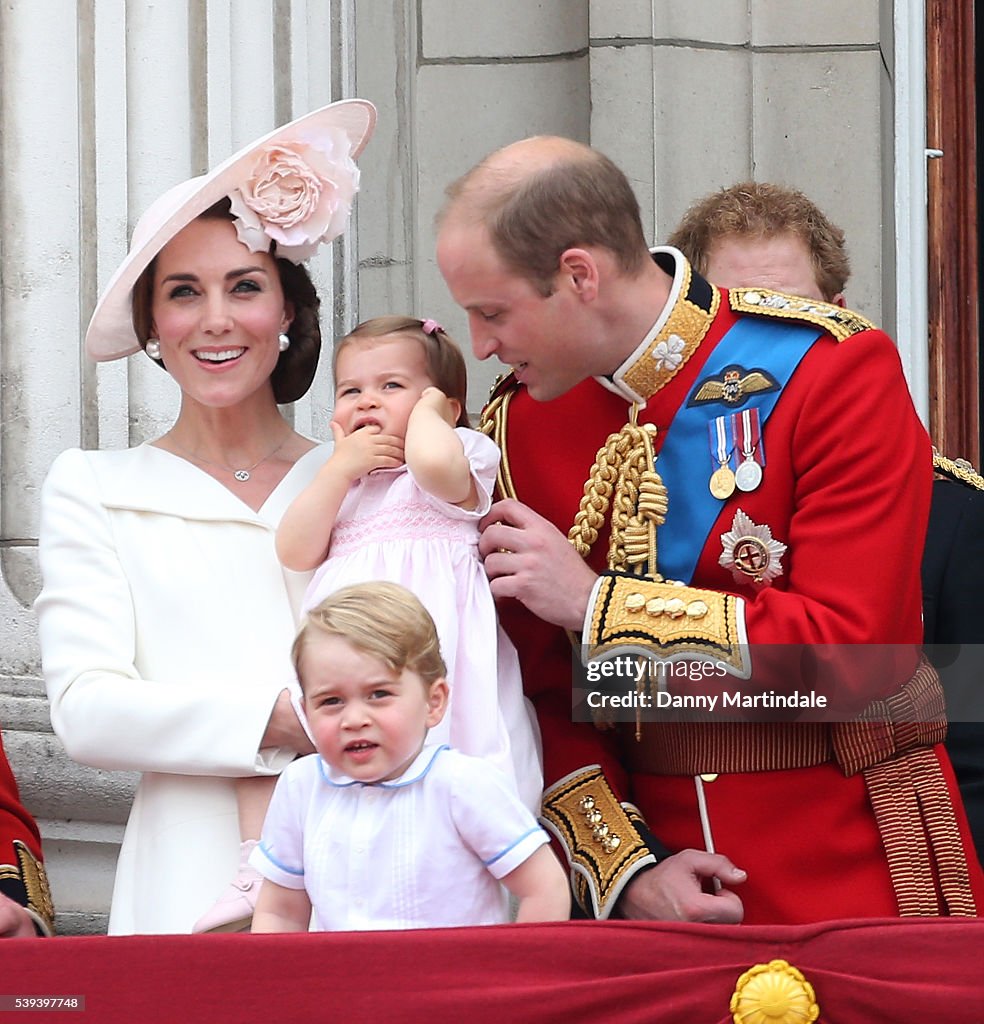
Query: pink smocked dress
[[389, 528]]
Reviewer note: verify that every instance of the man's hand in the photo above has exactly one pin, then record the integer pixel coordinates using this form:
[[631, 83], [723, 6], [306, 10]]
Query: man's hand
[[15, 922], [357, 454], [528, 558], [674, 891]]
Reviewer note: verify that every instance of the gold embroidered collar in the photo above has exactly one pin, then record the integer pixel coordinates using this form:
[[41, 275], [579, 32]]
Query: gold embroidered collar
[[676, 335]]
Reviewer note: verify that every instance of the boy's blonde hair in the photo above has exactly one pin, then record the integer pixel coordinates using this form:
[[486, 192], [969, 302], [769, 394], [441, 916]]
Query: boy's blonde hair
[[384, 620], [445, 363]]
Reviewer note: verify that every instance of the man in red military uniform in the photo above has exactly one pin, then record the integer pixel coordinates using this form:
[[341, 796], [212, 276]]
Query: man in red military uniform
[[751, 450], [25, 902]]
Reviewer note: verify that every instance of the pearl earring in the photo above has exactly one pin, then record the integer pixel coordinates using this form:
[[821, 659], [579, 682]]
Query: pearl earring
[[283, 342], [153, 349]]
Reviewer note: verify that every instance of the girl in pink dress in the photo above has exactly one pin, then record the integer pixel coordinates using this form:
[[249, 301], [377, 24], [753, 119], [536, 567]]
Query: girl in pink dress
[[400, 499]]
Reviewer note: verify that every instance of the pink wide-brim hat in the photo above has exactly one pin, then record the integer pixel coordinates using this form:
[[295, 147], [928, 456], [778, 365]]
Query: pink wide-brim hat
[[110, 334]]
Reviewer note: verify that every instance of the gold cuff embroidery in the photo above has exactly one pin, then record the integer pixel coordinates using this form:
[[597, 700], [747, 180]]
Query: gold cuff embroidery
[[669, 620], [30, 874], [598, 836]]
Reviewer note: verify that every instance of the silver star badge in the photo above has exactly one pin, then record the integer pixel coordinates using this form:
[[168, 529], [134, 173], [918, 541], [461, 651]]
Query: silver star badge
[[750, 552]]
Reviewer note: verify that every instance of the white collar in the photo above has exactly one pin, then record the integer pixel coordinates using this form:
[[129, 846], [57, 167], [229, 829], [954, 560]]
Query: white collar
[[414, 772]]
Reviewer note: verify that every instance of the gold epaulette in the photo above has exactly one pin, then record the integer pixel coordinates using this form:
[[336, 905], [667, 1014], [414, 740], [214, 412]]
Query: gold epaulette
[[27, 883], [599, 837], [835, 320], [493, 424], [959, 470], [667, 620]]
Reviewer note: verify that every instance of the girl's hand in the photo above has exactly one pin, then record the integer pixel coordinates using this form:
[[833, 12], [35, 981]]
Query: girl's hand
[[362, 451], [434, 398]]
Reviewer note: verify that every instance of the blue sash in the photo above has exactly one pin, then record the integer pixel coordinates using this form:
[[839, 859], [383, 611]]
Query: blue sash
[[684, 460]]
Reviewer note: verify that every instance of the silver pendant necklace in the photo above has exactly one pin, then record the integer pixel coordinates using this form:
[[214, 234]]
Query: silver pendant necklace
[[243, 474]]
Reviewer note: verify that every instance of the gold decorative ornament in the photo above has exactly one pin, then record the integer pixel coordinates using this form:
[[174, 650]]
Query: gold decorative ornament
[[837, 321], [774, 993]]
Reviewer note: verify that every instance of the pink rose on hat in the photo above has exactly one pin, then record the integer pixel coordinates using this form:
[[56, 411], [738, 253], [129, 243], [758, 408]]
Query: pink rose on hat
[[299, 195]]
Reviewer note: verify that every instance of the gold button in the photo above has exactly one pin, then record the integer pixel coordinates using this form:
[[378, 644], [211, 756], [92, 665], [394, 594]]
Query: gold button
[[675, 607], [634, 602], [655, 606], [586, 803], [696, 610], [709, 777]]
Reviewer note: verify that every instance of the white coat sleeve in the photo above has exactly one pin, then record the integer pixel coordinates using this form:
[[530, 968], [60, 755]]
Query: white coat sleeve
[[104, 713]]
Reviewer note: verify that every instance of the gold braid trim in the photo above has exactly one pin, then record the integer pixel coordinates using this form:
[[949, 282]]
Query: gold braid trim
[[623, 476], [598, 835], [493, 424], [958, 469], [837, 321]]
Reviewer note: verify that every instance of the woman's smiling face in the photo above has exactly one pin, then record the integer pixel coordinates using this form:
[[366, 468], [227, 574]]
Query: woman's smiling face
[[217, 310]]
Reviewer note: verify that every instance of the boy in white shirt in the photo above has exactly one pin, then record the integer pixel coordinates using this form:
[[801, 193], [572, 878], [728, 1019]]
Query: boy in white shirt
[[380, 830]]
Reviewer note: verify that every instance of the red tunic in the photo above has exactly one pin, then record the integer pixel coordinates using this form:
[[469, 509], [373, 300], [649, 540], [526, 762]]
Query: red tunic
[[846, 488]]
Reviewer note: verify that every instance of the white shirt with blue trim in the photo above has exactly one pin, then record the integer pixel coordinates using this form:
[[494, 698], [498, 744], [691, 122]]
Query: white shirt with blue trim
[[424, 850]]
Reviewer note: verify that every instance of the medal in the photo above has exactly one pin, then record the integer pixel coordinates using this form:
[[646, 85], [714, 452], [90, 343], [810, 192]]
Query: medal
[[747, 433], [722, 482], [748, 475], [751, 552]]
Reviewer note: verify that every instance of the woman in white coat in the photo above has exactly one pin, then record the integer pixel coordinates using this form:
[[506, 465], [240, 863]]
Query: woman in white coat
[[165, 618]]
